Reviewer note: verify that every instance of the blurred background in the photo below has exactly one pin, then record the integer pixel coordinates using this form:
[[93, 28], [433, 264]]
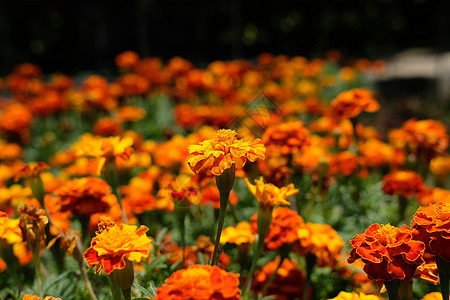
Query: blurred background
[[72, 36]]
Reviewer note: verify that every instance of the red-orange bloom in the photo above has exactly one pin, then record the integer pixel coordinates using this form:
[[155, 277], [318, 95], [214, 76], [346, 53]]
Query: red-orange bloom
[[388, 252], [113, 246], [350, 104], [291, 137], [433, 195], [200, 282], [431, 225], [32, 170], [401, 182]]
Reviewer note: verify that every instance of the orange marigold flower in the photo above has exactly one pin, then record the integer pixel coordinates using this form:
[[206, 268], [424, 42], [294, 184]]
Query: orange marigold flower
[[402, 182], [211, 195], [388, 252], [10, 151], [344, 163], [433, 195], [127, 59], [433, 296], [431, 225], [32, 170], [107, 127], [9, 229], [350, 104], [225, 149], [131, 113], [288, 283], [84, 196], [114, 246], [356, 296], [291, 137], [440, 166], [283, 229], [241, 234], [270, 195], [15, 121], [34, 297], [106, 149], [200, 282], [32, 223], [322, 241]]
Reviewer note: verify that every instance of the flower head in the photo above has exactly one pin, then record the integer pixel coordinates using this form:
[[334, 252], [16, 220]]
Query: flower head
[[200, 282], [241, 234], [32, 170], [402, 182], [291, 137], [270, 195], [225, 149], [9, 229], [114, 246], [388, 252], [350, 104], [431, 225], [356, 296]]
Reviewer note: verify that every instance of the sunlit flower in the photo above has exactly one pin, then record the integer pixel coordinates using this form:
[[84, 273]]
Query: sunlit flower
[[200, 282], [270, 195], [241, 234], [32, 170], [388, 252], [356, 296], [288, 283], [283, 228], [431, 225], [291, 137], [350, 104], [322, 241], [402, 182], [226, 150], [433, 296], [9, 229], [114, 246]]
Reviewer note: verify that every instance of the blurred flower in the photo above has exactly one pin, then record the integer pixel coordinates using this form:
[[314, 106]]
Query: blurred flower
[[355, 296], [210, 195], [127, 60], [201, 282], [115, 246], [241, 234], [433, 195], [226, 150], [344, 163], [270, 195], [130, 113], [291, 137], [33, 297], [433, 296], [15, 122], [107, 127], [322, 241], [388, 252], [9, 229], [440, 165], [402, 182], [351, 103]]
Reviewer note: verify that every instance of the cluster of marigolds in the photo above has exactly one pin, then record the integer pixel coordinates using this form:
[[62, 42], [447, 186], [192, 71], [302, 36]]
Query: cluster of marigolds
[[98, 197]]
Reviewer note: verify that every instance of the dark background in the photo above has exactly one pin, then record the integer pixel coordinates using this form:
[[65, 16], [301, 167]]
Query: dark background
[[73, 36]]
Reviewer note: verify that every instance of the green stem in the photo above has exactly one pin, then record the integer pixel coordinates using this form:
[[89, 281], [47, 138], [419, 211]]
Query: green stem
[[127, 294], [392, 288], [115, 289], [37, 267], [444, 276], [310, 263], [402, 204], [223, 209], [78, 256], [405, 290]]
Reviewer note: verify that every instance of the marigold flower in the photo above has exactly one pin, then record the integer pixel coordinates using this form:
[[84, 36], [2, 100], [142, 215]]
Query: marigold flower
[[356, 296], [32, 170], [210, 195], [127, 59], [350, 104], [10, 151], [433, 195], [226, 150], [32, 224], [388, 252], [270, 195], [291, 137], [107, 126], [433, 296], [34, 297], [241, 234], [200, 282], [288, 283], [9, 229], [283, 229], [130, 113], [114, 245], [344, 163], [84, 196], [322, 241], [402, 182], [431, 225], [440, 166]]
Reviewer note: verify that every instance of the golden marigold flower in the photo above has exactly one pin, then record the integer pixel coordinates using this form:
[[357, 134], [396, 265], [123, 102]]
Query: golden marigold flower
[[388, 252], [402, 182], [84, 196], [32, 170], [106, 148], [283, 228], [10, 151], [291, 137], [433, 195], [440, 166], [114, 245], [322, 241], [270, 195], [9, 229], [34, 297], [288, 283], [430, 225], [241, 234], [200, 282], [356, 296], [225, 149], [433, 296], [32, 224], [350, 104]]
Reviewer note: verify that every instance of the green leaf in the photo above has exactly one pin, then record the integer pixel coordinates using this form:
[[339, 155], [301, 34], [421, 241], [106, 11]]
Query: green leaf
[[145, 291]]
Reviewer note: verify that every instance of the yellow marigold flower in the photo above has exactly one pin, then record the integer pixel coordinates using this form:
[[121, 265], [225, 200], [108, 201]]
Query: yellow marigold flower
[[241, 234], [226, 149], [322, 241], [433, 296], [34, 297], [105, 148], [269, 194], [356, 296], [113, 246], [9, 229]]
